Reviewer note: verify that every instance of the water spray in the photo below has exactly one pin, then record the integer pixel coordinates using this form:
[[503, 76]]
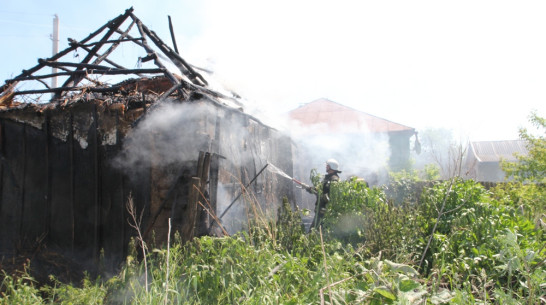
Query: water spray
[[272, 168]]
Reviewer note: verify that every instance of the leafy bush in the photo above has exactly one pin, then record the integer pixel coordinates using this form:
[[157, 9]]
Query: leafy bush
[[456, 243]]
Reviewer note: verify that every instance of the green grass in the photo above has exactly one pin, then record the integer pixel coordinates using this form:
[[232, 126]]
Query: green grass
[[481, 250]]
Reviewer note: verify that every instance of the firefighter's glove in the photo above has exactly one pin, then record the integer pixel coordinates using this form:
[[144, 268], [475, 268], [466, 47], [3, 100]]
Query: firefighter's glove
[[310, 190]]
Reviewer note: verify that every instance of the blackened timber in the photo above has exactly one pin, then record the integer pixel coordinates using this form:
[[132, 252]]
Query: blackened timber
[[74, 80], [72, 182], [172, 35], [11, 154], [24, 172], [114, 46], [55, 64], [170, 192], [81, 45], [106, 59], [96, 71], [2, 204], [35, 186], [158, 63], [44, 83], [47, 129], [86, 76], [212, 93], [175, 58], [97, 182], [137, 41], [204, 218], [60, 89], [66, 51], [215, 168]]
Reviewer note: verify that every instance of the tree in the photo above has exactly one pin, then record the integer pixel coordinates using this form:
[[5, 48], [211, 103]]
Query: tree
[[530, 167], [440, 149]]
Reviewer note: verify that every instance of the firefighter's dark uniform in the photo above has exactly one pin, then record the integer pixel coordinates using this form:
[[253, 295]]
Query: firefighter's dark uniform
[[320, 207]]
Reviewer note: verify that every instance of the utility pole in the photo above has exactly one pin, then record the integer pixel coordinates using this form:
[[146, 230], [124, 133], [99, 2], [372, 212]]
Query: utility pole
[[55, 38]]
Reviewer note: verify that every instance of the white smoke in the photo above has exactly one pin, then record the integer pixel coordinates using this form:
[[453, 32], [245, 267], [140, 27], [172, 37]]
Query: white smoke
[[171, 133], [359, 152]]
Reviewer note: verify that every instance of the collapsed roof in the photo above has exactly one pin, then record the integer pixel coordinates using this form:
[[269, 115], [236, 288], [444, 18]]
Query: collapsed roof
[[81, 69]]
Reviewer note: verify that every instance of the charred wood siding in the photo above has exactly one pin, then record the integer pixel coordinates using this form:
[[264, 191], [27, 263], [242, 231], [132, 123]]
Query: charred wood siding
[[58, 186]]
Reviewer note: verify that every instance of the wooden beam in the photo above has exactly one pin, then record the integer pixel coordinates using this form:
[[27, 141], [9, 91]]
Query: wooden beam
[[74, 64], [60, 89], [114, 46], [172, 35], [87, 45], [116, 23], [67, 50], [158, 62], [106, 59], [173, 56], [95, 71]]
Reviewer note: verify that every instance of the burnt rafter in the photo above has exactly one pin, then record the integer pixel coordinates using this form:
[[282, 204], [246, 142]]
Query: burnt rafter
[[83, 62]]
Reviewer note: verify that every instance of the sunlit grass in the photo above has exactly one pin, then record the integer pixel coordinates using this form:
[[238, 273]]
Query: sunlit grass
[[481, 251]]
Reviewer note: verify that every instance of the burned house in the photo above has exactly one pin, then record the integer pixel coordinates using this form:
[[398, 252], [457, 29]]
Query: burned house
[[159, 136]]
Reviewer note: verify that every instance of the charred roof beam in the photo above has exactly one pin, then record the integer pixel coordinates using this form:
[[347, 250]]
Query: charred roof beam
[[62, 89], [151, 52], [85, 47], [94, 71], [172, 55], [62, 53], [115, 45], [113, 25]]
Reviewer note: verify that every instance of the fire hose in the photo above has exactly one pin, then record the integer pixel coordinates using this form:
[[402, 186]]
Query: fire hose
[[306, 187]]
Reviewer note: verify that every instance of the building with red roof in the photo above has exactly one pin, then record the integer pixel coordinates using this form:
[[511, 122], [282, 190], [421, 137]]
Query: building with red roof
[[363, 143]]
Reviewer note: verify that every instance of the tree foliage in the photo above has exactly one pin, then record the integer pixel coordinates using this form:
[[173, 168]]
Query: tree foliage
[[530, 167]]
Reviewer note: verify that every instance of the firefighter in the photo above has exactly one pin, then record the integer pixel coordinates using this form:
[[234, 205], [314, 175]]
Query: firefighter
[[332, 171]]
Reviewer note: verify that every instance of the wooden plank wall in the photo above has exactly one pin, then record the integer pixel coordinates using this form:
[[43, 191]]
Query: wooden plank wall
[[58, 185], [54, 191]]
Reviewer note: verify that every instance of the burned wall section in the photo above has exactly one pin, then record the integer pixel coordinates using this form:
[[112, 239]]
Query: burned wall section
[[238, 146], [67, 172], [247, 149], [58, 186]]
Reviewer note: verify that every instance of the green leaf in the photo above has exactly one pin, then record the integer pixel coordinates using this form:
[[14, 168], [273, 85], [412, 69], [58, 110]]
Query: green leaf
[[443, 296], [401, 268], [384, 291], [407, 285]]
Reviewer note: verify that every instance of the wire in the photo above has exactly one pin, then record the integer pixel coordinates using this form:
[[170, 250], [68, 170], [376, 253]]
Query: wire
[[25, 23]]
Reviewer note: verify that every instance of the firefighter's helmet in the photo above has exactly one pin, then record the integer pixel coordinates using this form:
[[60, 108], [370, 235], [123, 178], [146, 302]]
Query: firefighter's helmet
[[334, 165]]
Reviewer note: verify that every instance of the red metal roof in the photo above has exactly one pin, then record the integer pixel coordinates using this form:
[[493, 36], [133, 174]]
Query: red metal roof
[[329, 116]]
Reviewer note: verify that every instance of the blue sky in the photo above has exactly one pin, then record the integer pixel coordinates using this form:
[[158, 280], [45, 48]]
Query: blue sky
[[475, 67]]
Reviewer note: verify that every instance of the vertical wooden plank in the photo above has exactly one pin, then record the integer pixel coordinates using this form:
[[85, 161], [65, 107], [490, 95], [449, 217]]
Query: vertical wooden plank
[[47, 127], [112, 198], [215, 165], [84, 182], [188, 228], [60, 162], [24, 174], [3, 204], [35, 187], [97, 183], [72, 182], [10, 217]]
